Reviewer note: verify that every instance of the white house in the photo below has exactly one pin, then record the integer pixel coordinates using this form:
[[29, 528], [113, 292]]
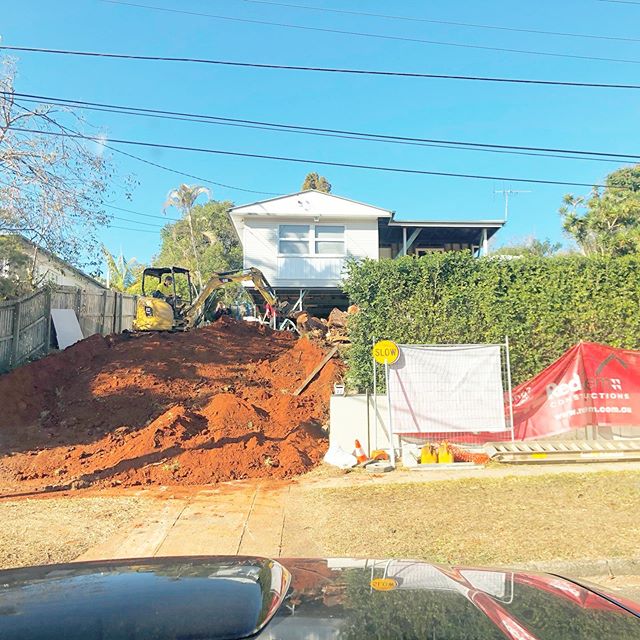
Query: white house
[[301, 241], [49, 268]]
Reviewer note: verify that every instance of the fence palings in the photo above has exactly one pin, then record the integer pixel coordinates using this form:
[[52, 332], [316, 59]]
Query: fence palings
[[25, 323]]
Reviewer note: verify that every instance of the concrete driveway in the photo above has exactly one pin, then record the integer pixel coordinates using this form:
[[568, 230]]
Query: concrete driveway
[[230, 519]]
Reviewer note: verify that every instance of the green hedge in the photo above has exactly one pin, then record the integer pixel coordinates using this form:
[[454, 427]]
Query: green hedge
[[544, 305]]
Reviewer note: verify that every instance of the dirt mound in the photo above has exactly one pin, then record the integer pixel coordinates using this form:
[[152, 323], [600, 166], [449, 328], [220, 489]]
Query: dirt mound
[[205, 406]]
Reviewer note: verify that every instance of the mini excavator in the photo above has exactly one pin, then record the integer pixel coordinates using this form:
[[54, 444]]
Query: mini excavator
[[169, 311]]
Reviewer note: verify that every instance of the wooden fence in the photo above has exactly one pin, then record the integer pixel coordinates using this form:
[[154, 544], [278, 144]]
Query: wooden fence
[[25, 323]]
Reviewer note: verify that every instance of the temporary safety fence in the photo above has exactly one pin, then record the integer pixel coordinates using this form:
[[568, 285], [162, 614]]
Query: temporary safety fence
[[25, 323], [458, 393]]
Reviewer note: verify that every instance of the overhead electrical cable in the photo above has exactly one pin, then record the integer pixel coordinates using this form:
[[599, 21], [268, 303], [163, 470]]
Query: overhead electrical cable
[[381, 36], [138, 213], [472, 25], [328, 163], [145, 224], [284, 67], [113, 226], [138, 158], [104, 204], [339, 133]]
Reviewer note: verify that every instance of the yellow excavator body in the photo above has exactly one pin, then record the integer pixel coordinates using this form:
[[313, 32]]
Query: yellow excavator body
[[166, 313], [153, 314]]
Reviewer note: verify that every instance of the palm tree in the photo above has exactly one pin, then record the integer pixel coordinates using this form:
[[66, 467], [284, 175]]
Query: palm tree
[[121, 273], [184, 198]]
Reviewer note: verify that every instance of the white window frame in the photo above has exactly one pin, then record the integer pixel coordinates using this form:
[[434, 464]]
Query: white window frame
[[298, 239], [311, 241]]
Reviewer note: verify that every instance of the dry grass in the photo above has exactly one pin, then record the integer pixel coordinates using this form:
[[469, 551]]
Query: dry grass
[[478, 521], [59, 529]]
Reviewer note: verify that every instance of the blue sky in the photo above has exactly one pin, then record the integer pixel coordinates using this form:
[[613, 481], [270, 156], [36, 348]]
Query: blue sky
[[604, 120]]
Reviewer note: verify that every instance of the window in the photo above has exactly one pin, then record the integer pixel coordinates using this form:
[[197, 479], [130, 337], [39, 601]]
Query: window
[[294, 239], [305, 239], [329, 239]]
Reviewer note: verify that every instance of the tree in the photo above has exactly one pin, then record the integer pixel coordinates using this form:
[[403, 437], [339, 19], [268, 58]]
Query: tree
[[51, 186], [216, 243], [530, 247], [607, 222], [14, 269], [184, 198], [122, 275], [316, 181]]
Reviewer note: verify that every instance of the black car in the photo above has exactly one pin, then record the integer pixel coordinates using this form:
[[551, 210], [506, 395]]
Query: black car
[[240, 597]]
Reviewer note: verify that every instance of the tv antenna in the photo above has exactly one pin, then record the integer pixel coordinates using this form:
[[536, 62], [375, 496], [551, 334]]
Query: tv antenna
[[506, 193]]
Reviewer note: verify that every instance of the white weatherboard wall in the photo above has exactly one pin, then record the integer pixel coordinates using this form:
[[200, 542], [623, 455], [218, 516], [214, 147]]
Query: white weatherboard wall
[[257, 225], [260, 244], [51, 271], [348, 422]]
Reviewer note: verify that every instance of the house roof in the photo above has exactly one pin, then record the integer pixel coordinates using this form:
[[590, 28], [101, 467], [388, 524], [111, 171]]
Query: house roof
[[57, 259], [449, 224], [308, 203], [292, 199], [438, 232]]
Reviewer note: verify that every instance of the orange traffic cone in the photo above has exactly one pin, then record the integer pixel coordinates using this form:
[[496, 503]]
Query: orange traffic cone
[[359, 453]]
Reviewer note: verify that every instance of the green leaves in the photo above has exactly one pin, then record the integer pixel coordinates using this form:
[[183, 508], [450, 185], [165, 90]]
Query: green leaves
[[123, 274], [544, 305], [316, 181], [216, 243], [607, 223]]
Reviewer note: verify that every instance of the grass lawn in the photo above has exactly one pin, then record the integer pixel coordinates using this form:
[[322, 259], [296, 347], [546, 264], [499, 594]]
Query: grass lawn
[[44, 531], [514, 519]]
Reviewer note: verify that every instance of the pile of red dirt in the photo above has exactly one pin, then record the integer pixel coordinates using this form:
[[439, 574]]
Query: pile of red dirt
[[200, 407]]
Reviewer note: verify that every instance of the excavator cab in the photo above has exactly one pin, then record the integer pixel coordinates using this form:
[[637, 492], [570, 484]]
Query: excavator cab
[[166, 293]]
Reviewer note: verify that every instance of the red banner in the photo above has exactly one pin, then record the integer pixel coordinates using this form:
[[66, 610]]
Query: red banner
[[591, 384]]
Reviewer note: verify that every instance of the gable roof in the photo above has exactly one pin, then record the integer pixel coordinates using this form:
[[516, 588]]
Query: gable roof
[[308, 203]]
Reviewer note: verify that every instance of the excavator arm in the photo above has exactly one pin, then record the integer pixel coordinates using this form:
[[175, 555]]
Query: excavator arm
[[194, 313]]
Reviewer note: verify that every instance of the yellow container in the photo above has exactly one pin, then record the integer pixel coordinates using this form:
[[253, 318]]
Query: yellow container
[[428, 455], [445, 456]]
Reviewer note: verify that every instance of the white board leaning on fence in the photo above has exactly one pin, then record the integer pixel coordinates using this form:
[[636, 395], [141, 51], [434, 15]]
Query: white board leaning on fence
[[67, 327], [436, 389]]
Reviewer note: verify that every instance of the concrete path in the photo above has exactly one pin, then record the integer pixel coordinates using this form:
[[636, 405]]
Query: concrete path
[[232, 519]]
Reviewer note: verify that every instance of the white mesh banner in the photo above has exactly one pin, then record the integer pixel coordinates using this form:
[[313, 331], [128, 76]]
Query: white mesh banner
[[447, 389]]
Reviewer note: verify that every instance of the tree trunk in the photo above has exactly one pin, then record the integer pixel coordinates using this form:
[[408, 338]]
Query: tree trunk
[[195, 251], [32, 271]]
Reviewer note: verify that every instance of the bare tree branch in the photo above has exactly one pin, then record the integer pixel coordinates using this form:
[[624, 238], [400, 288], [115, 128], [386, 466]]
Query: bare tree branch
[[51, 188]]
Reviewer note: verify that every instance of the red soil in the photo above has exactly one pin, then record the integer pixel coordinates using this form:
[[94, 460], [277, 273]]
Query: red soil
[[205, 406]]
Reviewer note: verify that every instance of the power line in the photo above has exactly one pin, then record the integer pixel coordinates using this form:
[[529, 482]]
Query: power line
[[473, 25], [340, 133], [283, 67], [328, 163], [144, 160], [78, 134], [138, 213], [362, 34], [620, 1], [188, 175], [113, 226], [11, 230], [145, 224]]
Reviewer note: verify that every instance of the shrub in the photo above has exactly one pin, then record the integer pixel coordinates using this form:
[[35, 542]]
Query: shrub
[[544, 305]]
